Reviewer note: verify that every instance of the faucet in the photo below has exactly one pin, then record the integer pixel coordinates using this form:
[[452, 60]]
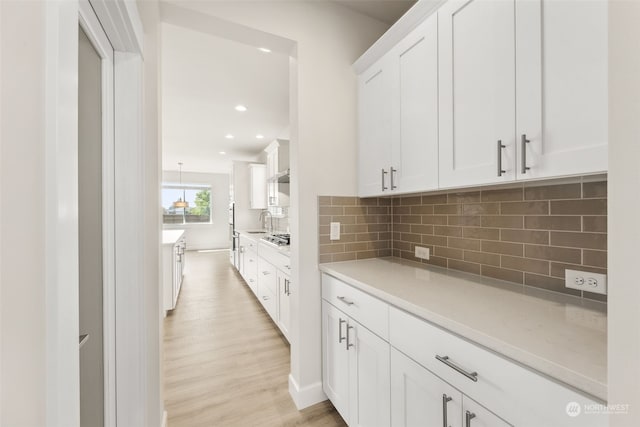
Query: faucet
[[262, 216]]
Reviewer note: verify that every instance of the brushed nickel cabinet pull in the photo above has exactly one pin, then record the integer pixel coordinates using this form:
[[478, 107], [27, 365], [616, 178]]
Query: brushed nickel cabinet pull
[[349, 344], [445, 399], [524, 141], [345, 300], [340, 337], [473, 376], [500, 147], [393, 186], [468, 417], [384, 172]]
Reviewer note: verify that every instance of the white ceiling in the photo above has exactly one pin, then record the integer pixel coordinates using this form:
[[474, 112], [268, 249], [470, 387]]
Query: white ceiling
[[203, 78], [388, 11]]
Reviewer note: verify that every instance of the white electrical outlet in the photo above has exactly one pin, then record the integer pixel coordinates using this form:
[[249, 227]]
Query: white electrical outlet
[[334, 232], [585, 281], [422, 252]]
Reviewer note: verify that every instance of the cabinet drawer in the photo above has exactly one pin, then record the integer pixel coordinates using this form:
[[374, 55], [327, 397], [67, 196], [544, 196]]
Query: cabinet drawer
[[247, 243], [275, 257], [267, 275], [267, 299], [367, 310], [519, 395]]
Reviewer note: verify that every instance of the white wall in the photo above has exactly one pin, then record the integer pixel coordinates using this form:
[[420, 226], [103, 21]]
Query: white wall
[[206, 236], [23, 372], [624, 210], [328, 40]]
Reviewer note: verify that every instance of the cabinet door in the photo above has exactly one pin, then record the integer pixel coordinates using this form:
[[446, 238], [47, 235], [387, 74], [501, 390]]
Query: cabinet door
[[562, 92], [415, 155], [375, 127], [284, 303], [419, 398], [477, 92], [335, 358], [475, 415], [369, 378], [258, 193]]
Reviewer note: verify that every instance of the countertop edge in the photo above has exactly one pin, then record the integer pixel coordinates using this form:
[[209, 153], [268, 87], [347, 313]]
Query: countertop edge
[[547, 368], [172, 231]]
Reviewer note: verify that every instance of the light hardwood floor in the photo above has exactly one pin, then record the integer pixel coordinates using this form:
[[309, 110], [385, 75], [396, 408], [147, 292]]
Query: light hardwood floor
[[225, 362]]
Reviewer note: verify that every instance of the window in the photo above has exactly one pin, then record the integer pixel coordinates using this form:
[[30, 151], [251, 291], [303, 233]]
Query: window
[[198, 197]]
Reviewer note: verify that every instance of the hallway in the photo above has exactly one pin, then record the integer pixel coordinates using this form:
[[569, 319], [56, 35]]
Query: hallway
[[225, 362]]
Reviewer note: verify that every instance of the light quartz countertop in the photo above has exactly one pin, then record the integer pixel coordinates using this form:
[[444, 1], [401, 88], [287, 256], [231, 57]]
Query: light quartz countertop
[[170, 237], [561, 336]]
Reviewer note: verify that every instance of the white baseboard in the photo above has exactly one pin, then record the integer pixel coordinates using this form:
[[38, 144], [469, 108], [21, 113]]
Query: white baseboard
[[306, 396], [164, 419]]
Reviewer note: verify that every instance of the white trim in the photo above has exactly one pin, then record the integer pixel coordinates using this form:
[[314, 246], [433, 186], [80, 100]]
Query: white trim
[[91, 26], [129, 245], [306, 396], [403, 26], [121, 23], [61, 164], [164, 418]]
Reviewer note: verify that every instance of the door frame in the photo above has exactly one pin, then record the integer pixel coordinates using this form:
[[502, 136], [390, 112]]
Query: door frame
[[91, 25], [125, 392]]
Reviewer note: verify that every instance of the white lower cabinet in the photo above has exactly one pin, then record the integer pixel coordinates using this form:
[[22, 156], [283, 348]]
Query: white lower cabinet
[[475, 415], [419, 398], [426, 376], [355, 370], [284, 303]]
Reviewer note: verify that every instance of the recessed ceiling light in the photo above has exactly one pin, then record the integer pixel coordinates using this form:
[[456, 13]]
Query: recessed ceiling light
[[264, 49], [228, 136], [241, 108], [223, 153], [259, 136]]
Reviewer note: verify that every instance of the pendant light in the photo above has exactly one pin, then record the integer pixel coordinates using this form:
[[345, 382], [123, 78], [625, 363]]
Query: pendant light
[[181, 202]]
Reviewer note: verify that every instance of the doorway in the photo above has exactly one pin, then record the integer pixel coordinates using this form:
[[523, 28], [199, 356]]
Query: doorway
[[95, 220]]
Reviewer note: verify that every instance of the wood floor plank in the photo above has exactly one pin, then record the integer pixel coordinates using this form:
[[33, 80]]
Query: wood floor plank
[[225, 362]]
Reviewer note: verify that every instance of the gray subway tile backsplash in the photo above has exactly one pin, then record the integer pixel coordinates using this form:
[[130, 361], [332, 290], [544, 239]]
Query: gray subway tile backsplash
[[527, 234]]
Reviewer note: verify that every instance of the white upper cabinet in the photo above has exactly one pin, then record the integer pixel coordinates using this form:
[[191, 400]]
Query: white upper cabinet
[[485, 92], [375, 116], [562, 97], [415, 149], [398, 108], [258, 186], [477, 92]]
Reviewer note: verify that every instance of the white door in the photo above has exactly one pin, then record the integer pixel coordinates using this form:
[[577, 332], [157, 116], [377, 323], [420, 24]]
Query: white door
[[475, 415], [477, 92], [419, 398], [335, 358], [415, 155], [562, 87], [284, 303], [375, 127], [369, 383]]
